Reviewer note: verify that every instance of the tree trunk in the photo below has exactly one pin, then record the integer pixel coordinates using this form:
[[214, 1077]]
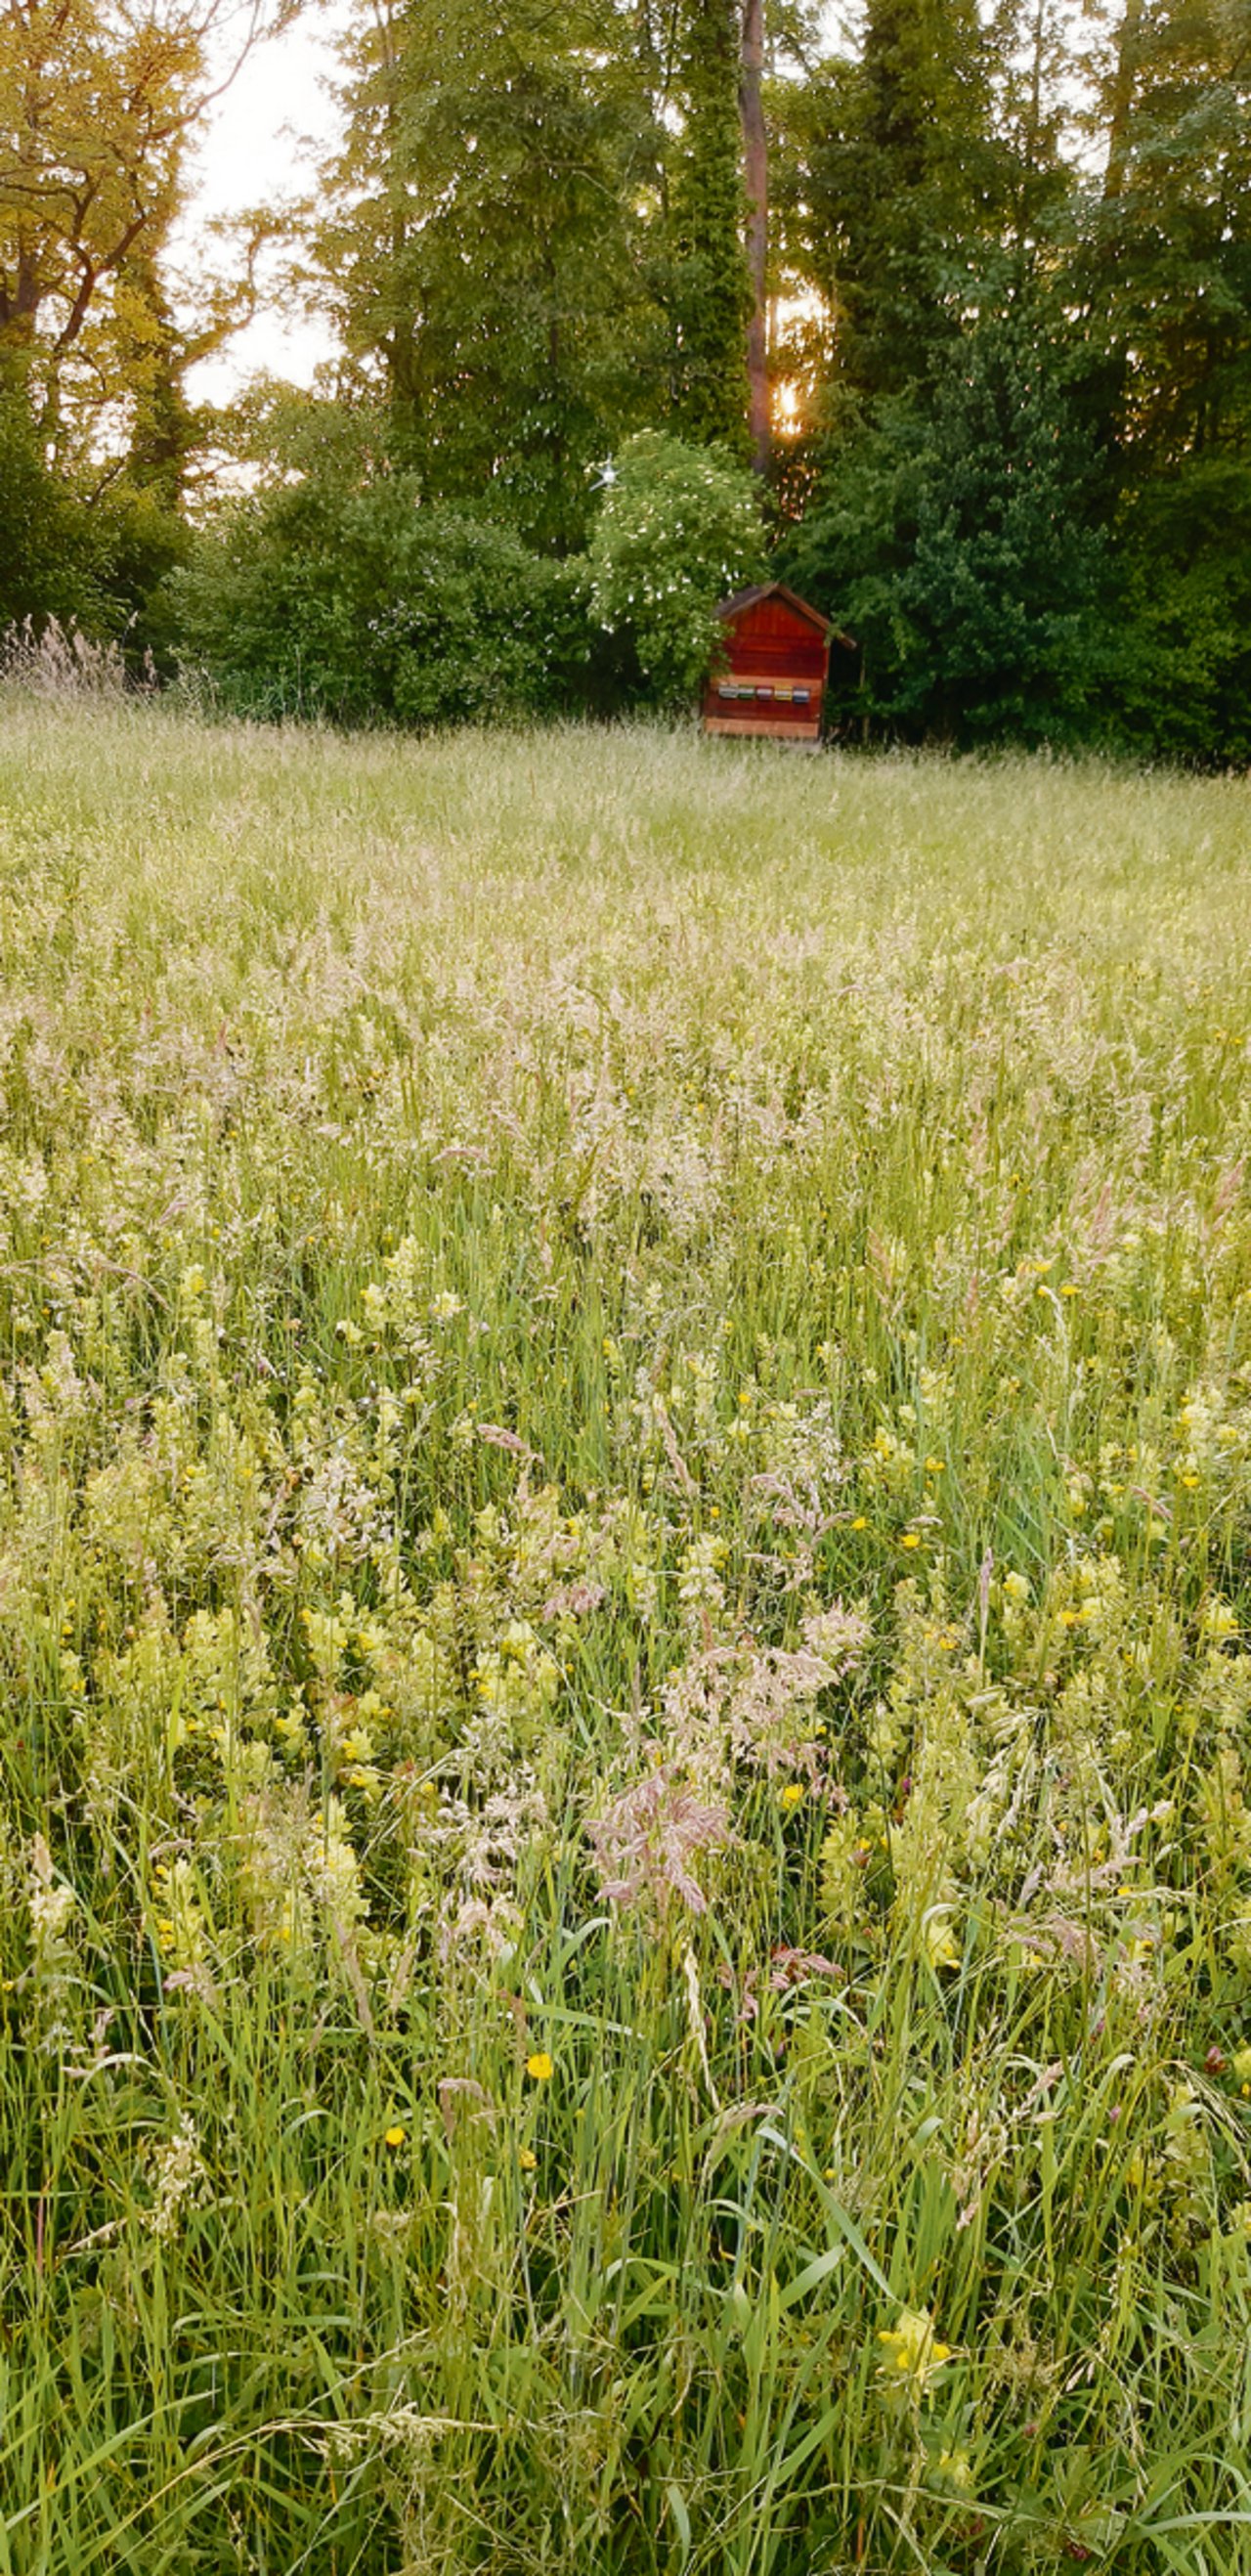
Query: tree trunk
[[756, 191], [1121, 100]]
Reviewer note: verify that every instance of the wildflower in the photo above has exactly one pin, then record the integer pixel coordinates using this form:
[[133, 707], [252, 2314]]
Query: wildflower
[[940, 1946], [792, 1794], [540, 2066], [910, 1539], [396, 2135], [1016, 1587], [527, 2159], [956, 2469], [912, 2354]]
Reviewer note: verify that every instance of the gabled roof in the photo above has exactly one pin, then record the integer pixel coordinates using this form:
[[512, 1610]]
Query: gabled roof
[[742, 599]]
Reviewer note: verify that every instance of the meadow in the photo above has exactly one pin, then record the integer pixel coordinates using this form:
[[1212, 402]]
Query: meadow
[[625, 1824]]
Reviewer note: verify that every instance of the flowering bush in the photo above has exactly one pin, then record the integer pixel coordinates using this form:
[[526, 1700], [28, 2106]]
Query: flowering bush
[[679, 528]]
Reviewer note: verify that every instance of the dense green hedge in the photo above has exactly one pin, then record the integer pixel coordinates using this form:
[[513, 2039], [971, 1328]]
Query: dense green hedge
[[365, 605]]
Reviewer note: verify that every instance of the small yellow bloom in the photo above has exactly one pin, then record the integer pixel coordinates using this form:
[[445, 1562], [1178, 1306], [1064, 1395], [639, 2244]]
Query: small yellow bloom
[[956, 2467], [1190, 1483], [909, 1539], [792, 1794], [940, 1942], [527, 2159], [913, 2356], [860, 1522], [540, 2066], [396, 2135], [1070, 1289]]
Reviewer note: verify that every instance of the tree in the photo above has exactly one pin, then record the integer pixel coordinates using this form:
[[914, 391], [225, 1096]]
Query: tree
[[901, 182], [960, 543], [484, 247], [711, 289], [756, 191], [1166, 266], [97, 99]]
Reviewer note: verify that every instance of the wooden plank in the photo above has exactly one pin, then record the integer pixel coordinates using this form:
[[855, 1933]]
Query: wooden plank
[[762, 725]]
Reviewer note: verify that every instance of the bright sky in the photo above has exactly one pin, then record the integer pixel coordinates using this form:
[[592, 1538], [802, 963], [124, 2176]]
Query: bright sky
[[263, 143]]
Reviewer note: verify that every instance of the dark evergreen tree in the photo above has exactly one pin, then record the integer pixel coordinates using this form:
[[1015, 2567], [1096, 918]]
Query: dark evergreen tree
[[960, 542], [904, 190]]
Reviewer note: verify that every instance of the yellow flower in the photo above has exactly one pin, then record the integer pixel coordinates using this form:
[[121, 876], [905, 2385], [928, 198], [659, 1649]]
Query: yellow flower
[[527, 2159], [540, 2066], [860, 1522], [940, 1946], [909, 1539], [912, 2354], [792, 1794], [396, 2135], [957, 2469]]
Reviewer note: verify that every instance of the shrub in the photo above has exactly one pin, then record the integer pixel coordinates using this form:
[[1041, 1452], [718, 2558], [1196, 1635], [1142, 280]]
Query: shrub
[[1185, 681], [368, 605], [679, 527], [53, 549]]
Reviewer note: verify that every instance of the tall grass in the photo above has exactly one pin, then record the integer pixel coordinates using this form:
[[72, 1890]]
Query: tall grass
[[623, 1601]]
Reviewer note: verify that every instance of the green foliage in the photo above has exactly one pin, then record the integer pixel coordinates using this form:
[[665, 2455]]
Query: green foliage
[[365, 604], [482, 240], [678, 529], [1009, 282], [50, 551], [957, 542], [1185, 678], [710, 294], [901, 183], [1162, 265]]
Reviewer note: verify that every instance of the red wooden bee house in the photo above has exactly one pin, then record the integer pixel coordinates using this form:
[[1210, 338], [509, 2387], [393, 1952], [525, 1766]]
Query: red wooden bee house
[[771, 674]]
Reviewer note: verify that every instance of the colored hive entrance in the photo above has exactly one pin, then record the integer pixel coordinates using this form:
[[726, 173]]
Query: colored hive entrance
[[770, 676]]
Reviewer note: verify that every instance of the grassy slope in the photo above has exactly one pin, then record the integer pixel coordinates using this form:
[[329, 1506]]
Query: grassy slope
[[828, 1181]]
